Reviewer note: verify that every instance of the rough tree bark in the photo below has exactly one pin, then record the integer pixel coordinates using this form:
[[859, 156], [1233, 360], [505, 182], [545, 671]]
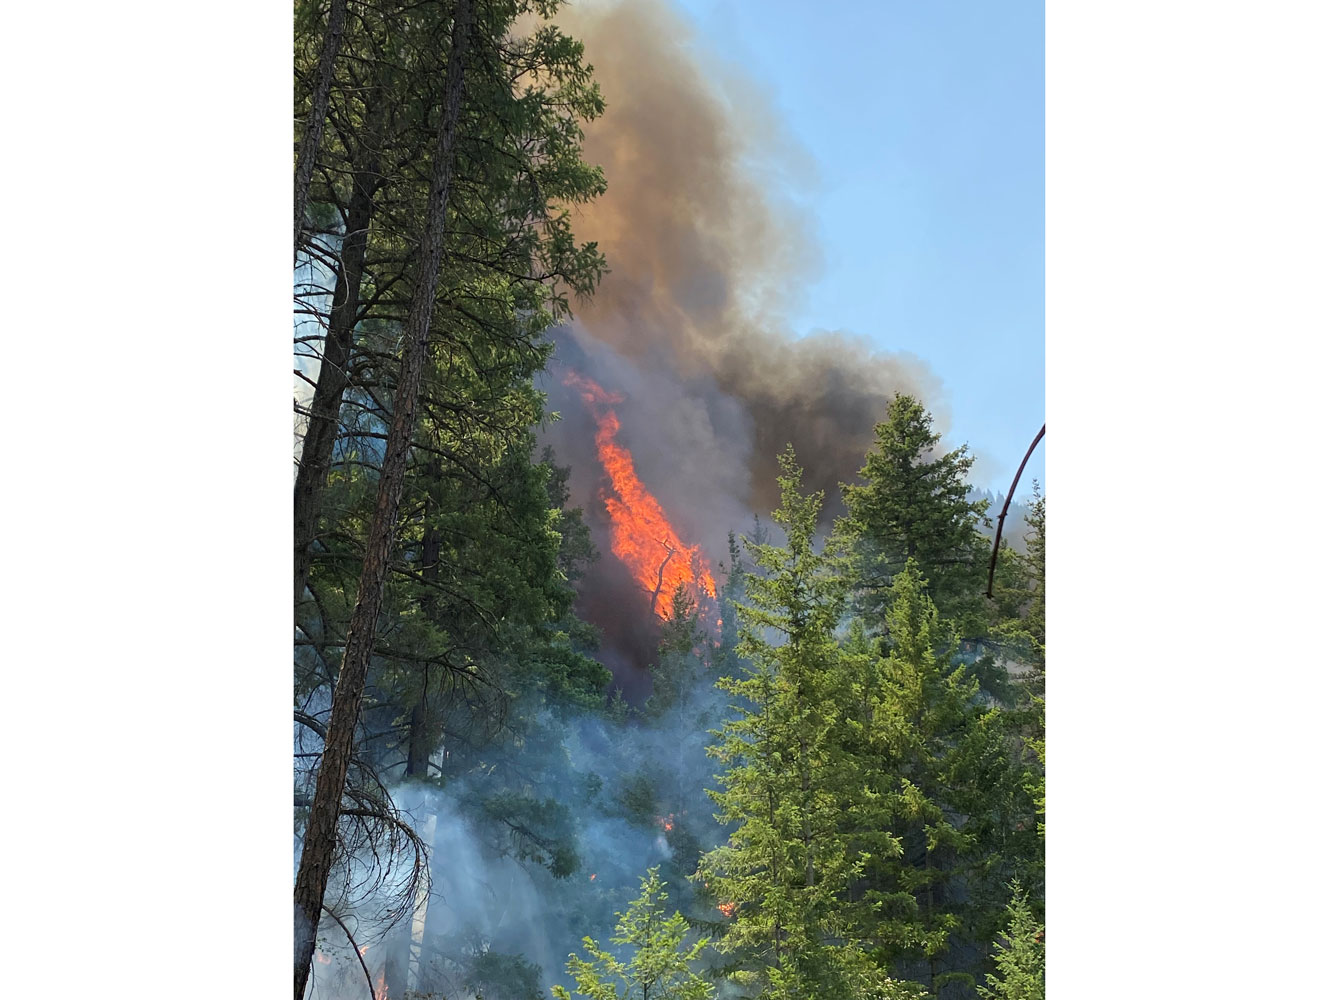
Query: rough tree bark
[[319, 109], [322, 426], [322, 827]]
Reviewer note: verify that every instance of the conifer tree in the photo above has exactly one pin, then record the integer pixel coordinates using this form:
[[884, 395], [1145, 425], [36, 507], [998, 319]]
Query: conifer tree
[[658, 969], [783, 875], [1020, 956], [913, 505], [680, 664], [939, 771], [1018, 611]]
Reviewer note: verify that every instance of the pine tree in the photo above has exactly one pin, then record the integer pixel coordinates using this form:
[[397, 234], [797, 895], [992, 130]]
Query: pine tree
[[782, 876], [913, 505], [658, 969], [321, 834], [938, 769], [680, 665], [461, 313], [729, 598], [1020, 956], [319, 107], [1018, 611], [510, 257]]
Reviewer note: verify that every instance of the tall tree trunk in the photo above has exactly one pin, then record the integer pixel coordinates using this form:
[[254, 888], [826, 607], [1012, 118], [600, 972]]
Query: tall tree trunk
[[398, 939], [399, 943], [319, 109], [322, 827], [322, 427]]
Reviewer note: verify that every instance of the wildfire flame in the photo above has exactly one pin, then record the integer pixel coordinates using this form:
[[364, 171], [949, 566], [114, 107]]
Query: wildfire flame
[[667, 822], [641, 536], [728, 909]]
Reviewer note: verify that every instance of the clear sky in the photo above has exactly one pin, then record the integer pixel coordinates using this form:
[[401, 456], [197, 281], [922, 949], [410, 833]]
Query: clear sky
[[925, 122]]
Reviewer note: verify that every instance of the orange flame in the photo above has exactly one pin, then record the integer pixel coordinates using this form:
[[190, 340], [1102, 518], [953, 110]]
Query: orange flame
[[641, 536], [728, 909], [668, 822], [381, 990]]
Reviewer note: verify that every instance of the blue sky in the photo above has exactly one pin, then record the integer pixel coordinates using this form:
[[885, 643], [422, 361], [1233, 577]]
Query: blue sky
[[925, 124]]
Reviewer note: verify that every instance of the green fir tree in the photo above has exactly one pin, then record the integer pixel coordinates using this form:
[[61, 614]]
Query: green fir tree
[[659, 967], [783, 875], [1020, 956], [913, 505]]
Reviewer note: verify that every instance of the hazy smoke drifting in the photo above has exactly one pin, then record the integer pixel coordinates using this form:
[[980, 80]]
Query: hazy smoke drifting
[[707, 254]]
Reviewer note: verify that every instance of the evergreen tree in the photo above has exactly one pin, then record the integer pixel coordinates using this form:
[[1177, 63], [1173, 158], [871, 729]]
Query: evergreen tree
[[1020, 956], [488, 170], [510, 258], [783, 875], [680, 664], [1018, 612], [321, 835], [913, 505], [938, 769], [658, 969], [729, 598]]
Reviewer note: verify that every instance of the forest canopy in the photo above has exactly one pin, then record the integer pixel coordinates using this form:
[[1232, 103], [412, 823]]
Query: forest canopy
[[830, 781]]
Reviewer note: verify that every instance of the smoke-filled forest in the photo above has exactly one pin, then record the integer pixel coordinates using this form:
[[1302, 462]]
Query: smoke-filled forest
[[642, 647]]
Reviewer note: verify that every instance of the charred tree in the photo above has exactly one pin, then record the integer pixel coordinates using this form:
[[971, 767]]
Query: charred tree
[[321, 829]]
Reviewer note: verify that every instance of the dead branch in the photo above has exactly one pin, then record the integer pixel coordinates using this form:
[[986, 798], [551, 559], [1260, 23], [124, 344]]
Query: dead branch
[[355, 950]]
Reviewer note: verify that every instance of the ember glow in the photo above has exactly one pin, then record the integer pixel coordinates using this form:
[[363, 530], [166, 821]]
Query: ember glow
[[641, 536], [728, 909]]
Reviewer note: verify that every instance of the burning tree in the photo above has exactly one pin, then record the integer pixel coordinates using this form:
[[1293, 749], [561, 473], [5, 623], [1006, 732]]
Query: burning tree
[[641, 536]]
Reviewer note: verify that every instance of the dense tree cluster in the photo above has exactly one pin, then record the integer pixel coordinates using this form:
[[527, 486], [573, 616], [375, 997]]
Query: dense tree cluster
[[836, 788]]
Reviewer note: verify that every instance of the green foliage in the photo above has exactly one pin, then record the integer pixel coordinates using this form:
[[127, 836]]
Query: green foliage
[[1018, 613], [680, 664], [875, 803], [1020, 956], [659, 967], [494, 974], [783, 874], [913, 505], [939, 815], [729, 598]]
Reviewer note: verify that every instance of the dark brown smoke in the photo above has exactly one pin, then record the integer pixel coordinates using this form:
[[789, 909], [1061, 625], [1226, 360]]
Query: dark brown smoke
[[706, 255], [709, 252]]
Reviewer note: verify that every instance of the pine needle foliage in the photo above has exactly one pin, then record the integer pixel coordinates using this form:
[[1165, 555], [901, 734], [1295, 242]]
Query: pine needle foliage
[[1020, 956], [659, 967]]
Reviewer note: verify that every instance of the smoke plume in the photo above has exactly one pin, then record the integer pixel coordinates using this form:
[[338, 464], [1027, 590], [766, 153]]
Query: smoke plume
[[708, 252]]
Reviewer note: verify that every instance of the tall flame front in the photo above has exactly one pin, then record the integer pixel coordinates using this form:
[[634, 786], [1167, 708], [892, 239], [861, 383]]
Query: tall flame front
[[641, 536]]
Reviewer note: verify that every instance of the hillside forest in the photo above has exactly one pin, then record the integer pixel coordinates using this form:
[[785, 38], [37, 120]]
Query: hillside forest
[[815, 769]]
